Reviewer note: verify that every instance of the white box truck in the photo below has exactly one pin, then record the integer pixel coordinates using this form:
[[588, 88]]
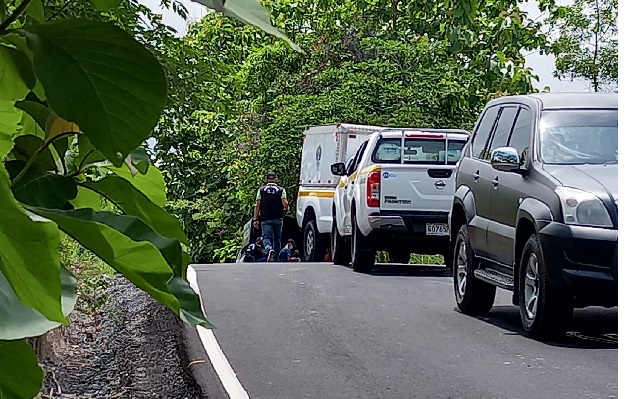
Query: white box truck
[[323, 146]]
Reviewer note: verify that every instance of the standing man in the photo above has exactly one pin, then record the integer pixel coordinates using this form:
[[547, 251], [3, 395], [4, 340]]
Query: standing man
[[269, 211]]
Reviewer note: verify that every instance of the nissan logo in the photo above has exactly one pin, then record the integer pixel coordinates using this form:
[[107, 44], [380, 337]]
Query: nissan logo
[[440, 184]]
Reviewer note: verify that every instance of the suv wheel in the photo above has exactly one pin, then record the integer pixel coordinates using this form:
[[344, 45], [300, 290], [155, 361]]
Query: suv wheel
[[545, 310], [340, 248], [363, 260], [473, 296], [313, 246]]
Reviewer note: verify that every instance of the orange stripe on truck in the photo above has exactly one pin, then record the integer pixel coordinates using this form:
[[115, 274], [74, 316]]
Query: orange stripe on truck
[[313, 193]]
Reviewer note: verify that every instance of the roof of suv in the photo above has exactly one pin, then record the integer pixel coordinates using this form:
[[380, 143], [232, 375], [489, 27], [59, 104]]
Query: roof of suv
[[565, 100]]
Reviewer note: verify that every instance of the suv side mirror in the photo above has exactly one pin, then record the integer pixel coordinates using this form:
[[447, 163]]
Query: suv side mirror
[[505, 159], [338, 169]]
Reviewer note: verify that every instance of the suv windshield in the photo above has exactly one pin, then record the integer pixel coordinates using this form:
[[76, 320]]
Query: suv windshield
[[579, 136], [418, 151]]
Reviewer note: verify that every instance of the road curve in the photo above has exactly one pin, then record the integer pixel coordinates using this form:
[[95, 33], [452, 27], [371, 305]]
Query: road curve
[[305, 330]]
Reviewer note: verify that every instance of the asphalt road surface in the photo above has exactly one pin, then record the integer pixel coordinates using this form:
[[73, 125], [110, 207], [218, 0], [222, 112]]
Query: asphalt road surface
[[304, 330]]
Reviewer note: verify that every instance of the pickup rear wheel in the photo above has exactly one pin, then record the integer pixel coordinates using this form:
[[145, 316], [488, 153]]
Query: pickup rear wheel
[[340, 247], [473, 296], [544, 309], [363, 258]]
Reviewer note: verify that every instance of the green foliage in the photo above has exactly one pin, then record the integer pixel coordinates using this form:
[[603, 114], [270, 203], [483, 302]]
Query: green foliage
[[20, 376], [82, 85], [434, 69], [586, 44]]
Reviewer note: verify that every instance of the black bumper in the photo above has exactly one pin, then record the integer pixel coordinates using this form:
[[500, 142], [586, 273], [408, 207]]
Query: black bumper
[[411, 225], [582, 259]]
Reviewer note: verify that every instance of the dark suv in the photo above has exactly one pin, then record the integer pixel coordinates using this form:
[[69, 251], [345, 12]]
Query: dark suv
[[536, 208]]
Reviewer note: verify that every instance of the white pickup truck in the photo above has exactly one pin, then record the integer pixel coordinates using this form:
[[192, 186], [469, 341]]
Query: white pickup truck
[[394, 194]]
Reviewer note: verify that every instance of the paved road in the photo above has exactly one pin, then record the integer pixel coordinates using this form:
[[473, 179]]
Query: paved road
[[322, 331]]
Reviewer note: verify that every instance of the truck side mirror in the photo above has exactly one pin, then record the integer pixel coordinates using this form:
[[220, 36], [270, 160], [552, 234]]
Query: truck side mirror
[[338, 169]]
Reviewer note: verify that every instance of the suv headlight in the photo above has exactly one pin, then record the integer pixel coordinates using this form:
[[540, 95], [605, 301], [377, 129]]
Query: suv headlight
[[582, 208]]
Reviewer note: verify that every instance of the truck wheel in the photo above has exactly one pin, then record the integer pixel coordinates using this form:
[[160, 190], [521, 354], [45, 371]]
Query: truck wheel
[[363, 259], [340, 248], [544, 309], [313, 243], [399, 256], [473, 296]]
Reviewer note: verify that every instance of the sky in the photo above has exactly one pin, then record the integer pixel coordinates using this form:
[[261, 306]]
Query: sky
[[543, 65]]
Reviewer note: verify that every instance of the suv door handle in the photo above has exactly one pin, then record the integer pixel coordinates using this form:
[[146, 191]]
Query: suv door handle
[[495, 182], [476, 175]]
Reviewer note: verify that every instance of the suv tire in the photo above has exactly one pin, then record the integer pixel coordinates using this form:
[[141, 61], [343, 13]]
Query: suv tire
[[363, 259], [545, 310], [340, 249], [474, 297]]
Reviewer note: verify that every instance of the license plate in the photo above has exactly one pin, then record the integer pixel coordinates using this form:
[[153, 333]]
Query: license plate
[[437, 229]]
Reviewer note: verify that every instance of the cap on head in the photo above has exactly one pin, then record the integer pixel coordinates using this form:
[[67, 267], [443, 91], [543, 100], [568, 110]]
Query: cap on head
[[271, 176]]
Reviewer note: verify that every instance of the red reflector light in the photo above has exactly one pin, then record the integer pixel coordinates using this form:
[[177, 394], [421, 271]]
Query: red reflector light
[[373, 189]]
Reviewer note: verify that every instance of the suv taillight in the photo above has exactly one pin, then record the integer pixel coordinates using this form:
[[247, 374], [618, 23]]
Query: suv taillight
[[373, 189]]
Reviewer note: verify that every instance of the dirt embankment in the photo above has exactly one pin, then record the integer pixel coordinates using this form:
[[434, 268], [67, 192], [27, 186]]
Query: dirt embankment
[[128, 346]]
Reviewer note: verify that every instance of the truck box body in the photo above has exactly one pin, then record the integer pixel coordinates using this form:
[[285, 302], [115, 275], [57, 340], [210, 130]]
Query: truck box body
[[323, 146]]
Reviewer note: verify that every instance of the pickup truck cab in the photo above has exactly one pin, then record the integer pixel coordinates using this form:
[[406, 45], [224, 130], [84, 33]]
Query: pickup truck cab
[[394, 194]]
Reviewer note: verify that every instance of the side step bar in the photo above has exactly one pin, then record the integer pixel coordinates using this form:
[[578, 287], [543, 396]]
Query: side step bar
[[495, 277]]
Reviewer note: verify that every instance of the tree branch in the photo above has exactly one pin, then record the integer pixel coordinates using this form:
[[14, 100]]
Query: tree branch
[[19, 10], [41, 149]]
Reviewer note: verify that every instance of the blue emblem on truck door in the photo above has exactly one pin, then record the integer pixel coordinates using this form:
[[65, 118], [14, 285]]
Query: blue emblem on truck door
[[318, 157]]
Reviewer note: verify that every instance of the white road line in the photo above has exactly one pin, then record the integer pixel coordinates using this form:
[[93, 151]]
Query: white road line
[[221, 365]]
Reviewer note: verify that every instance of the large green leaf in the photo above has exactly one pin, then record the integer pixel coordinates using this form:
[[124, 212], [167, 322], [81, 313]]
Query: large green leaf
[[30, 126], [87, 198], [87, 153], [250, 12], [35, 9], [16, 74], [27, 146], [39, 188], [151, 184], [133, 202], [29, 255], [109, 236], [190, 311], [117, 90], [9, 125], [20, 321], [39, 112], [20, 375]]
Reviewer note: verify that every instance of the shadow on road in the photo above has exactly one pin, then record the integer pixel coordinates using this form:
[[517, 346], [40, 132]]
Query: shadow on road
[[591, 328], [392, 269]]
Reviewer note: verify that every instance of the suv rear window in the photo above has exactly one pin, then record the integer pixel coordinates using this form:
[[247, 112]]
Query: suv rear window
[[418, 151]]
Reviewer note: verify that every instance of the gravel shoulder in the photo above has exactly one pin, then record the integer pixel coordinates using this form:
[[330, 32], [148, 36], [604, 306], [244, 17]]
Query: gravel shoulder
[[130, 347]]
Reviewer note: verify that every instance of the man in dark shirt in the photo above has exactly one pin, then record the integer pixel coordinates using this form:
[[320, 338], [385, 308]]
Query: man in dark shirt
[[269, 211]]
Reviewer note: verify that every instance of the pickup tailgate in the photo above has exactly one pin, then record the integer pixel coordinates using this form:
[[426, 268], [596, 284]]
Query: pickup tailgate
[[407, 188], [418, 174]]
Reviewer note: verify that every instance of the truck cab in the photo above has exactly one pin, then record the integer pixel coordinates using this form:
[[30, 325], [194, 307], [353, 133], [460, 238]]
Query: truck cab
[[394, 194]]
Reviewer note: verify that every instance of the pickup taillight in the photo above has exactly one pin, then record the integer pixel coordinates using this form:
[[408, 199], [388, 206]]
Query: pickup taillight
[[373, 189]]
